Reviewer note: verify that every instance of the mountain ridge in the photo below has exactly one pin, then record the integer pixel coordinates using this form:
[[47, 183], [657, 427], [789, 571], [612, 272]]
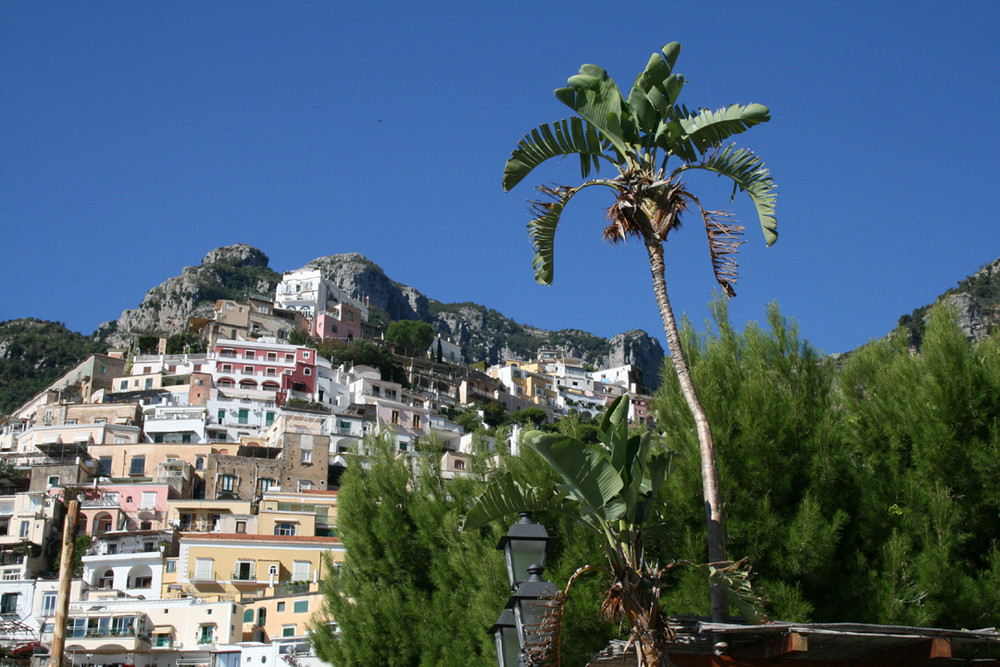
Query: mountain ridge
[[483, 333]]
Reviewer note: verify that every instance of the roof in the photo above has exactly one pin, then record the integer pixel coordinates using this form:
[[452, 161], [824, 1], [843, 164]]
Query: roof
[[815, 644], [250, 537]]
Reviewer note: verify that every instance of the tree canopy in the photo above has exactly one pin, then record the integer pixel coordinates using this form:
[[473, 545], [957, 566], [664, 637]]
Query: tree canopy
[[410, 338]]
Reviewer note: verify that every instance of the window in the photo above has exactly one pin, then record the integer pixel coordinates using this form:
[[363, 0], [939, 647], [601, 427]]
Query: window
[[203, 568], [459, 465], [123, 385], [249, 354], [11, 575], [137, 465], [300, 606], [148, 384], [171, 566], [148, 501], [243, 416], [227, 368], [49, 603], [307, 456], [376, 390], [8, 603], [266, 484], [79, 627], [248, 370], [148, 547], [281, 606], [271, 356], [205, 633], [300, 570], [199, 463], [289, 357], [53, 480], [142, 582], [395, 416], [390, 393], [307, 371], [272, 571], [284, 528], [241, 526], [288, 631], [416, 421], [268, 418], [248, 616], [228, 483]]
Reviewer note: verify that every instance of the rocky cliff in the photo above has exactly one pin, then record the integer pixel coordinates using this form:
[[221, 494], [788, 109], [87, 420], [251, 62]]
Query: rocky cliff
[[483, 333], [976, 301], [225, 273]]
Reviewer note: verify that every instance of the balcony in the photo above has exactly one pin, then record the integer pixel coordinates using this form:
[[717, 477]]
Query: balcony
[[105, 501], [202, 576]]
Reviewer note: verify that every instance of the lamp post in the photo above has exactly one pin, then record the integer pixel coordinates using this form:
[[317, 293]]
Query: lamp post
[[530, 602], [524, 546], [504, 633]]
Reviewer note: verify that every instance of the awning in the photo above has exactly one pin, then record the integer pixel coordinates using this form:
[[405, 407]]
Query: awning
[[163, 630]]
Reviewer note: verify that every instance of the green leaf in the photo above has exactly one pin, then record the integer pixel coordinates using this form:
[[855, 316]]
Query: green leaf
[[565, 137], [597, 99], [542, 229], [655, 90], [586, 471], [748, 173], [705, 130], [505, 497]]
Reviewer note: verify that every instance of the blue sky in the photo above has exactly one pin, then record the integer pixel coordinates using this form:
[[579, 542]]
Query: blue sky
[[135, 137]]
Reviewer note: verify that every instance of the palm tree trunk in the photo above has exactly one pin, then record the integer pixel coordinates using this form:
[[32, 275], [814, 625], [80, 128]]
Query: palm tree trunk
[[709, 467]]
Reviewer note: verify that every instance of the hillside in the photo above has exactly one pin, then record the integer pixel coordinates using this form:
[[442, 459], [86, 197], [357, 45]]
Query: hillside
[[33, 354], [976, 299]]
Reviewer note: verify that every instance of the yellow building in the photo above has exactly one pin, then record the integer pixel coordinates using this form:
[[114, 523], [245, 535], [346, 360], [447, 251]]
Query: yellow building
[[234, 565]]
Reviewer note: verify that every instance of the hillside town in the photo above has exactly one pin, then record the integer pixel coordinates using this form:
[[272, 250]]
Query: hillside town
[[207, 482]]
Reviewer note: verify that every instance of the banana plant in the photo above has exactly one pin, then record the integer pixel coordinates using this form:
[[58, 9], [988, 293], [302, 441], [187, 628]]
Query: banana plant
[[612, 488], [650, 141]]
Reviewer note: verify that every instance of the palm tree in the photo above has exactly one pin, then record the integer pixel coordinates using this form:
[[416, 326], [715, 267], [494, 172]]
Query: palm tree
[[611, 488], [651, 141]]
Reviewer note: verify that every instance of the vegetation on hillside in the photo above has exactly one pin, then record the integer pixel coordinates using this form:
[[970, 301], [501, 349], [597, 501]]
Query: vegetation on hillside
[[33, 354]]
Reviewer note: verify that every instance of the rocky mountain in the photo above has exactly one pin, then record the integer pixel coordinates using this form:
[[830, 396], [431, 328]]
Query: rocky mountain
[[483, 333], [225, 273], [976, 300]]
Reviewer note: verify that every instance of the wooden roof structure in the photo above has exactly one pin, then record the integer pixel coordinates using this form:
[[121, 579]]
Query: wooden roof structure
[[816, 645]]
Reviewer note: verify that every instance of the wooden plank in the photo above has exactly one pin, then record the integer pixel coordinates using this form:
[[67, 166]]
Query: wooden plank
[[774, 648], [926, 650]]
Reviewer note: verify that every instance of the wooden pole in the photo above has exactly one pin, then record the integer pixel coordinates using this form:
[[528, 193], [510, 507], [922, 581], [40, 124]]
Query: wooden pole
[[65, 579]]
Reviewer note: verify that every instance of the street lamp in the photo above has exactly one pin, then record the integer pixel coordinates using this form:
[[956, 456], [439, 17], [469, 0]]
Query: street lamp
[[504, 633], [524, 545], [530, 602]]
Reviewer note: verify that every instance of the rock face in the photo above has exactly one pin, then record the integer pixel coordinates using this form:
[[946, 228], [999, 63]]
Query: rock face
[[228, 272], [483, 333], [975, 300]]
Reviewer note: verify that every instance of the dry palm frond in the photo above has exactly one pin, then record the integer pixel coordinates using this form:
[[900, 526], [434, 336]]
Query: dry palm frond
[[543, 650], [724, 241]]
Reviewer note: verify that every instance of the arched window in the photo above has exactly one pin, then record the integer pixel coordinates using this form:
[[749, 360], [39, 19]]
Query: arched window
[[284, 528]]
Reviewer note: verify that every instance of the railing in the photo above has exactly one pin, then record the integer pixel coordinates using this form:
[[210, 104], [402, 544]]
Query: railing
[[245, 576], [100, 502], [200, 575]]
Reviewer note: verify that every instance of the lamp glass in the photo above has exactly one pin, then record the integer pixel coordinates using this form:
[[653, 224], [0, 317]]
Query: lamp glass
[[508, 646], [521, 554]]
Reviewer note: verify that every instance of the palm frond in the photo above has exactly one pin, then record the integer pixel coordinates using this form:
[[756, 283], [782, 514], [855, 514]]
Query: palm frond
[[749, 174], [705, 130], [596, 98], [735, 579], [544, 648], [542, 229], [565, 137], [724, 241], [655, 90]]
